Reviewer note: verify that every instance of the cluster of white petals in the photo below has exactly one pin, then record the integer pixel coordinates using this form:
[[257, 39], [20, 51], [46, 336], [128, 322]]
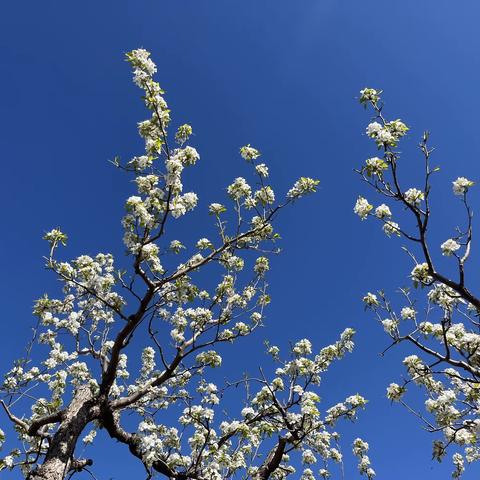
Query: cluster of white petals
[[461, 185], [449, 247], [362, 208], [414, 196]]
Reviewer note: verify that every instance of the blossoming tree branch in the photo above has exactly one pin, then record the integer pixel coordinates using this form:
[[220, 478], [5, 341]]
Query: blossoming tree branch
[[440, 318], [77, 378]]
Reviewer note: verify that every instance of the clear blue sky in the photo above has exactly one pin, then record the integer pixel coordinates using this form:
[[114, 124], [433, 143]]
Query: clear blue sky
[[281, 75]]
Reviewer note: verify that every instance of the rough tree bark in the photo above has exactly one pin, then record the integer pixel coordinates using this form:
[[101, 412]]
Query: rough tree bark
[[59, 458]]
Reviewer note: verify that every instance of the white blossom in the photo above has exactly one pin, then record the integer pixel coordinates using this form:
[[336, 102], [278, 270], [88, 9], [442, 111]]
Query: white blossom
[[414, 196], [239, 188], [395, 392], [216, 208], [375, 166], [391, 228], [373, 129], [265, 195], [302, 187], [87, 439], [249, 153], [408, 313], [449, 247], [370, 299], [461, 185], [362, 208], [262, 170], [383, 211], [421, 273]]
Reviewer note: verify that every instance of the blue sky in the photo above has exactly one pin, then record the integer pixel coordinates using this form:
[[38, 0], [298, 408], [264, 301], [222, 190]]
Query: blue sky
[[281, 75]]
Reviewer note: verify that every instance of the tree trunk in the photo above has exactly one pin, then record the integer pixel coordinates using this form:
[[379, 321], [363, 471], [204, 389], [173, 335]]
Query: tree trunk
[[60, 453]]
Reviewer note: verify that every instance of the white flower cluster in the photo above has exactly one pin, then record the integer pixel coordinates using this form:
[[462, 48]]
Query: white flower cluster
[[444, 296], [375, 166], [216, 208], [183, 133], [369, 95], [249, 153], [449, 247], [461, 185], [265, 195], [388, 134], [383, 211], [262, 170], [302, 187], [408, 313], [421, 274], [360, 450], [370, 300], [391, 228], [158, 196], [413, 196], [390, 326], [55, 236], [395, 392], [239, 189], [362, 208], [90, 437]]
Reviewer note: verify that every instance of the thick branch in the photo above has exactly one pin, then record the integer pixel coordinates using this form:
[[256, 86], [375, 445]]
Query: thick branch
[[45, 420], [110, 420], [272, 461], [456, 363]]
